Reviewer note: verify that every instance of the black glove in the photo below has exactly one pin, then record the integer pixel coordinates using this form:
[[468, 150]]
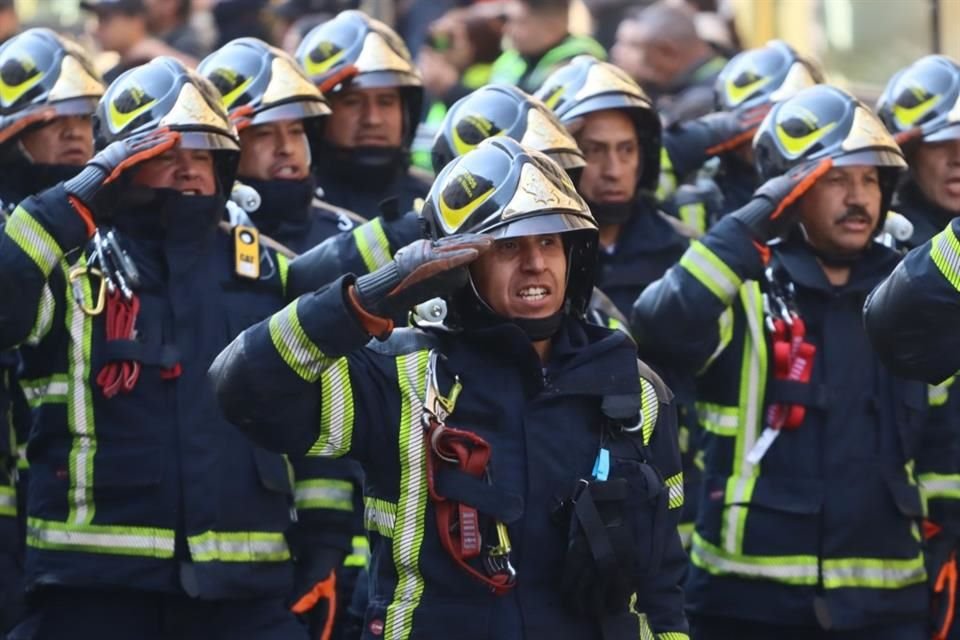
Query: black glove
[[598, 566], [728, 130], [420, 271], [767, 215], [104, 167]]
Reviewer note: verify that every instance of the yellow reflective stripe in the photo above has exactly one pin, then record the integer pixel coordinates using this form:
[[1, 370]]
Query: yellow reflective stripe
[[675, 491], [8, 501], [108, 539], [649, 409], [796, 570], [938, 394], [49, 390], [646, 633], [937, 485], [667, 182], [724, 334], [33, 240], [283, 269], [685, 530], [695, 215], [710, 271], [336, 411], [324, 493], [41, 326], [360, 555], [753, 379], [873, 573], [718, 419], [945, 253], [238, 546], [80, 407], [380, 516], [372, 244], [292, 344], [412, 503], [672, 635]]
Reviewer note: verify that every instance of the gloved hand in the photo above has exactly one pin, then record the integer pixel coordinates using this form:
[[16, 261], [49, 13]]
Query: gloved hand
[[420, 271], [109, 163], [11, 126], [767, 215], [730, 129]]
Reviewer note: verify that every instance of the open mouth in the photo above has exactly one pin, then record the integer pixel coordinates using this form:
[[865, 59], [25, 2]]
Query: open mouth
[[285, 172], [533, 293], [191, 192]]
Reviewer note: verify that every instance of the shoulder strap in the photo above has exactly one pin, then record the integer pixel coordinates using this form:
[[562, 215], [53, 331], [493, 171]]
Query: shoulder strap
[[352, 215]]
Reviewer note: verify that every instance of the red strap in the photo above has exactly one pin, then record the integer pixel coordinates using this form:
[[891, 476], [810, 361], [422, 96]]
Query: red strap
[[115, 377], [458, 524], [792, 361]]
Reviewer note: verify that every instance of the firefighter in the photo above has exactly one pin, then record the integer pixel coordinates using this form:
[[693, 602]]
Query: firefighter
[[809, 522], [147, 516], [278, 112], [45, 136], [376, 98], [916, 107], [508, 450]]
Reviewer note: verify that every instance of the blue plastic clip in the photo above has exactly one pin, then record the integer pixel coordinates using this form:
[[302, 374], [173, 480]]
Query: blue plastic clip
[[601, 466]]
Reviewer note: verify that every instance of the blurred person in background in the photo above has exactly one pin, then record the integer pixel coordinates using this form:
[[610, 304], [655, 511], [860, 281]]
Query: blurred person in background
[[241, 18], [9, 22], [456, 59], [122, 27], [539, 42], [169, 20], [290, 18], [660, 48]]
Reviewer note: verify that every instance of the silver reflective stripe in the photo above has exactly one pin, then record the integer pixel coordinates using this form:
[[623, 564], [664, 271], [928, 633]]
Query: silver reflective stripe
[[80, 409], [379, 515], [44, 317], [790, 569], [336, 411], [945, 253], [8, 501], [710, 271], [717, 419], [873, 573], [935, 485], [108, 539], [238, 546], [52, 389], [294, 346], [372, 244], [33, 240], [324, 494]]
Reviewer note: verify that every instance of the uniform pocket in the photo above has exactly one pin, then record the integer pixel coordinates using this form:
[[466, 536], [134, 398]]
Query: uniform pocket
[[273, 471], [644, 511]]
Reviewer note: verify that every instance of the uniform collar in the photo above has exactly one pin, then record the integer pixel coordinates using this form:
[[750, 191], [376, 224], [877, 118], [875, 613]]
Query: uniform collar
[[795, 257], [928, 219], [645, 232]]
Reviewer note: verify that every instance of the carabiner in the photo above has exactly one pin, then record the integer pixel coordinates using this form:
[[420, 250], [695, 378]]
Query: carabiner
[[79, 295]]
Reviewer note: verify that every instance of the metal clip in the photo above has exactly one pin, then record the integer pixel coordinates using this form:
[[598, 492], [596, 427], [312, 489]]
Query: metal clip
[[76, 285], [436, 405], [497, 561]]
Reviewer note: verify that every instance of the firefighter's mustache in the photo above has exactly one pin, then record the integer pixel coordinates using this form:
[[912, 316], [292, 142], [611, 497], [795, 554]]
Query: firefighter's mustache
[[855, 213]]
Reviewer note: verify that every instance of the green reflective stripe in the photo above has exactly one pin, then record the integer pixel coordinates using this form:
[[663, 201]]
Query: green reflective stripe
[[324, 493], [50, 390], [44, 321], [796, 570], [724, 337], [476, 76], [718, 419], [667, 182], [753, 379], [94, 538], [372, 244], [360, 555], [22, 462], [938, 394], [8, 501], [616, 325], [412, 503], [380, 516], [675, 491], [685, 530], [238, 546], [945, 253], [695, 215], [292, 344], [508, 67], [646, 633], [937, 485], [873, 573], [672, 635], [283, 269], [704, 265], [336, 411], [80, 407], [33, 240], [649, 409]]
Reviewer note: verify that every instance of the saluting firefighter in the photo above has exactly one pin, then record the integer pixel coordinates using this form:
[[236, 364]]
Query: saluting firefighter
[[148, 516], [523, 478], [810, 513]]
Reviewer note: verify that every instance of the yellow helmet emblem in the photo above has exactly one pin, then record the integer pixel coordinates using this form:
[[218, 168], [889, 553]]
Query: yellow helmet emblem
[[464, 193], [17, 76], [322, 58], [908, 115], [134, 101], [740, 88], [476, 129]]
